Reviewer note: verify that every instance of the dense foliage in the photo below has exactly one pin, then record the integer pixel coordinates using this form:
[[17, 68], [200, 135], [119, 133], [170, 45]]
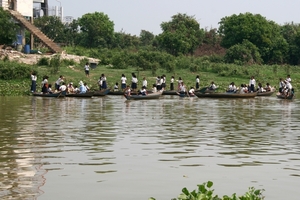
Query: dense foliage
[[97, 30], [264, 34], [8, 28], [13, 70], [182, 35]]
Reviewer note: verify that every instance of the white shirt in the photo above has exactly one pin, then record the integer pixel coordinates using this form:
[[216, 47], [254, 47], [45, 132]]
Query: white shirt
[[87, 67], [103, 78], [154, 89], [192, 91], [134, 80], [59, 80], [145, 83], [252, 82], [100, 81], [197, 80], [33, 77], [123, 80], [288, 85], [63, 88], [172, 80], [289, 80]]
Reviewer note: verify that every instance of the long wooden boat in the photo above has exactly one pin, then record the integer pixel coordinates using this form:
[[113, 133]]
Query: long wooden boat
[[56, 95], [82, 95], [282, 96], [101, 92], [154, 95], [226, 95], [122, 93], [265, 93], [170, 92]]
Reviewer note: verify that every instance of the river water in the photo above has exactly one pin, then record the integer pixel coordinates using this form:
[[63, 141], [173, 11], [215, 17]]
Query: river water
[[109, 148]]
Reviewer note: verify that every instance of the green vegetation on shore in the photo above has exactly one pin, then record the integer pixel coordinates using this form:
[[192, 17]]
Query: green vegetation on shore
[[15, 77]]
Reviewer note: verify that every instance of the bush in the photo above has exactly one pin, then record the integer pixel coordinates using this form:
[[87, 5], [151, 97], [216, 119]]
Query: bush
[[14, 70], [43, 61]]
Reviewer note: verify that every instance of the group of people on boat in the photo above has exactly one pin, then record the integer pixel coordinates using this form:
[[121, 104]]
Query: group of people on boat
[[59, 86], [285, 87]]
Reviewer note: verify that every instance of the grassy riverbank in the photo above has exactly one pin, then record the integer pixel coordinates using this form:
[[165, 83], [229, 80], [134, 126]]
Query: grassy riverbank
[[221, 74]]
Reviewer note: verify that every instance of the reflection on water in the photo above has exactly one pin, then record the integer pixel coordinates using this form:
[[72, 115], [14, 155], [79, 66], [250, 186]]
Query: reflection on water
[[109, 148]]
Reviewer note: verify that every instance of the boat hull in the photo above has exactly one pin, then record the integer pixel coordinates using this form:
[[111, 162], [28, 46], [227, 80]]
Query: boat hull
[[155, 95], [265, 93], [55, 95], [82, 95], [226, 95], [101, 92]]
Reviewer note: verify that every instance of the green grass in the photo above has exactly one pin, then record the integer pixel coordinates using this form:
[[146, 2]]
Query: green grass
[[221, 74]]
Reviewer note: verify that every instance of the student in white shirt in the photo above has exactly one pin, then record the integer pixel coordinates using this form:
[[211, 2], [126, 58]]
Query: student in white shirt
[[192, 91], [197, 82], [252, 84], [33, 81], [123, 82], [144, 82], [172, 83]]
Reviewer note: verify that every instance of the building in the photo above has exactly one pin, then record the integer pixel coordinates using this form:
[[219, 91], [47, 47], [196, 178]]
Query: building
[[22, 12]]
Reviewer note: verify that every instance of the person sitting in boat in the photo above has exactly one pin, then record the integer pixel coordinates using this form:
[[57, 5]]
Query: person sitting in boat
[[127, 91], [212, 86], [232, 88], [116, 87], [63, 87], [281, 85], [50, 89], [87, 87], [268, 87], [192, 91], [182, 89], [70, 88], [288, 88], [76, 89], [154, 89], [243, 89], [260, 88], [82, 88], [143, 91], [45, 85]]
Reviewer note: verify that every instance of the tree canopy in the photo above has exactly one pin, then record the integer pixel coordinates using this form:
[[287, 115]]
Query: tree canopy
[[8, 28], [264, 34], [97, 30], [181, 35]]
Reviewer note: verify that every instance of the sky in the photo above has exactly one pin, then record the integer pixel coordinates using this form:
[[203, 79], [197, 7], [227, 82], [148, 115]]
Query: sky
[[132, 16]]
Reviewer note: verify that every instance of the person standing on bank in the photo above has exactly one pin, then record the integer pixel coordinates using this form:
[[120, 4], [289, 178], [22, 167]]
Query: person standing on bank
[[134, 81], [33, 81], [104, 84], [87, 69], [172, 83], [252, 84], [123, 82], [145, 82], [197, 82]]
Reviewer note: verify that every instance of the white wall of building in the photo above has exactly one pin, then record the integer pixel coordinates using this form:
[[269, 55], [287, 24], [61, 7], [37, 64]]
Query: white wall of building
[[25, 7]]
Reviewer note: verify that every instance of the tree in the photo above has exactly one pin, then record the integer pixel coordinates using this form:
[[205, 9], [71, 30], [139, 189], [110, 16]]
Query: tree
[[123, 40], [146, 38], [264, 34], [181, 35], [291, 33], [52, 27], [8, 28], [245, 53], [97, 30]]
